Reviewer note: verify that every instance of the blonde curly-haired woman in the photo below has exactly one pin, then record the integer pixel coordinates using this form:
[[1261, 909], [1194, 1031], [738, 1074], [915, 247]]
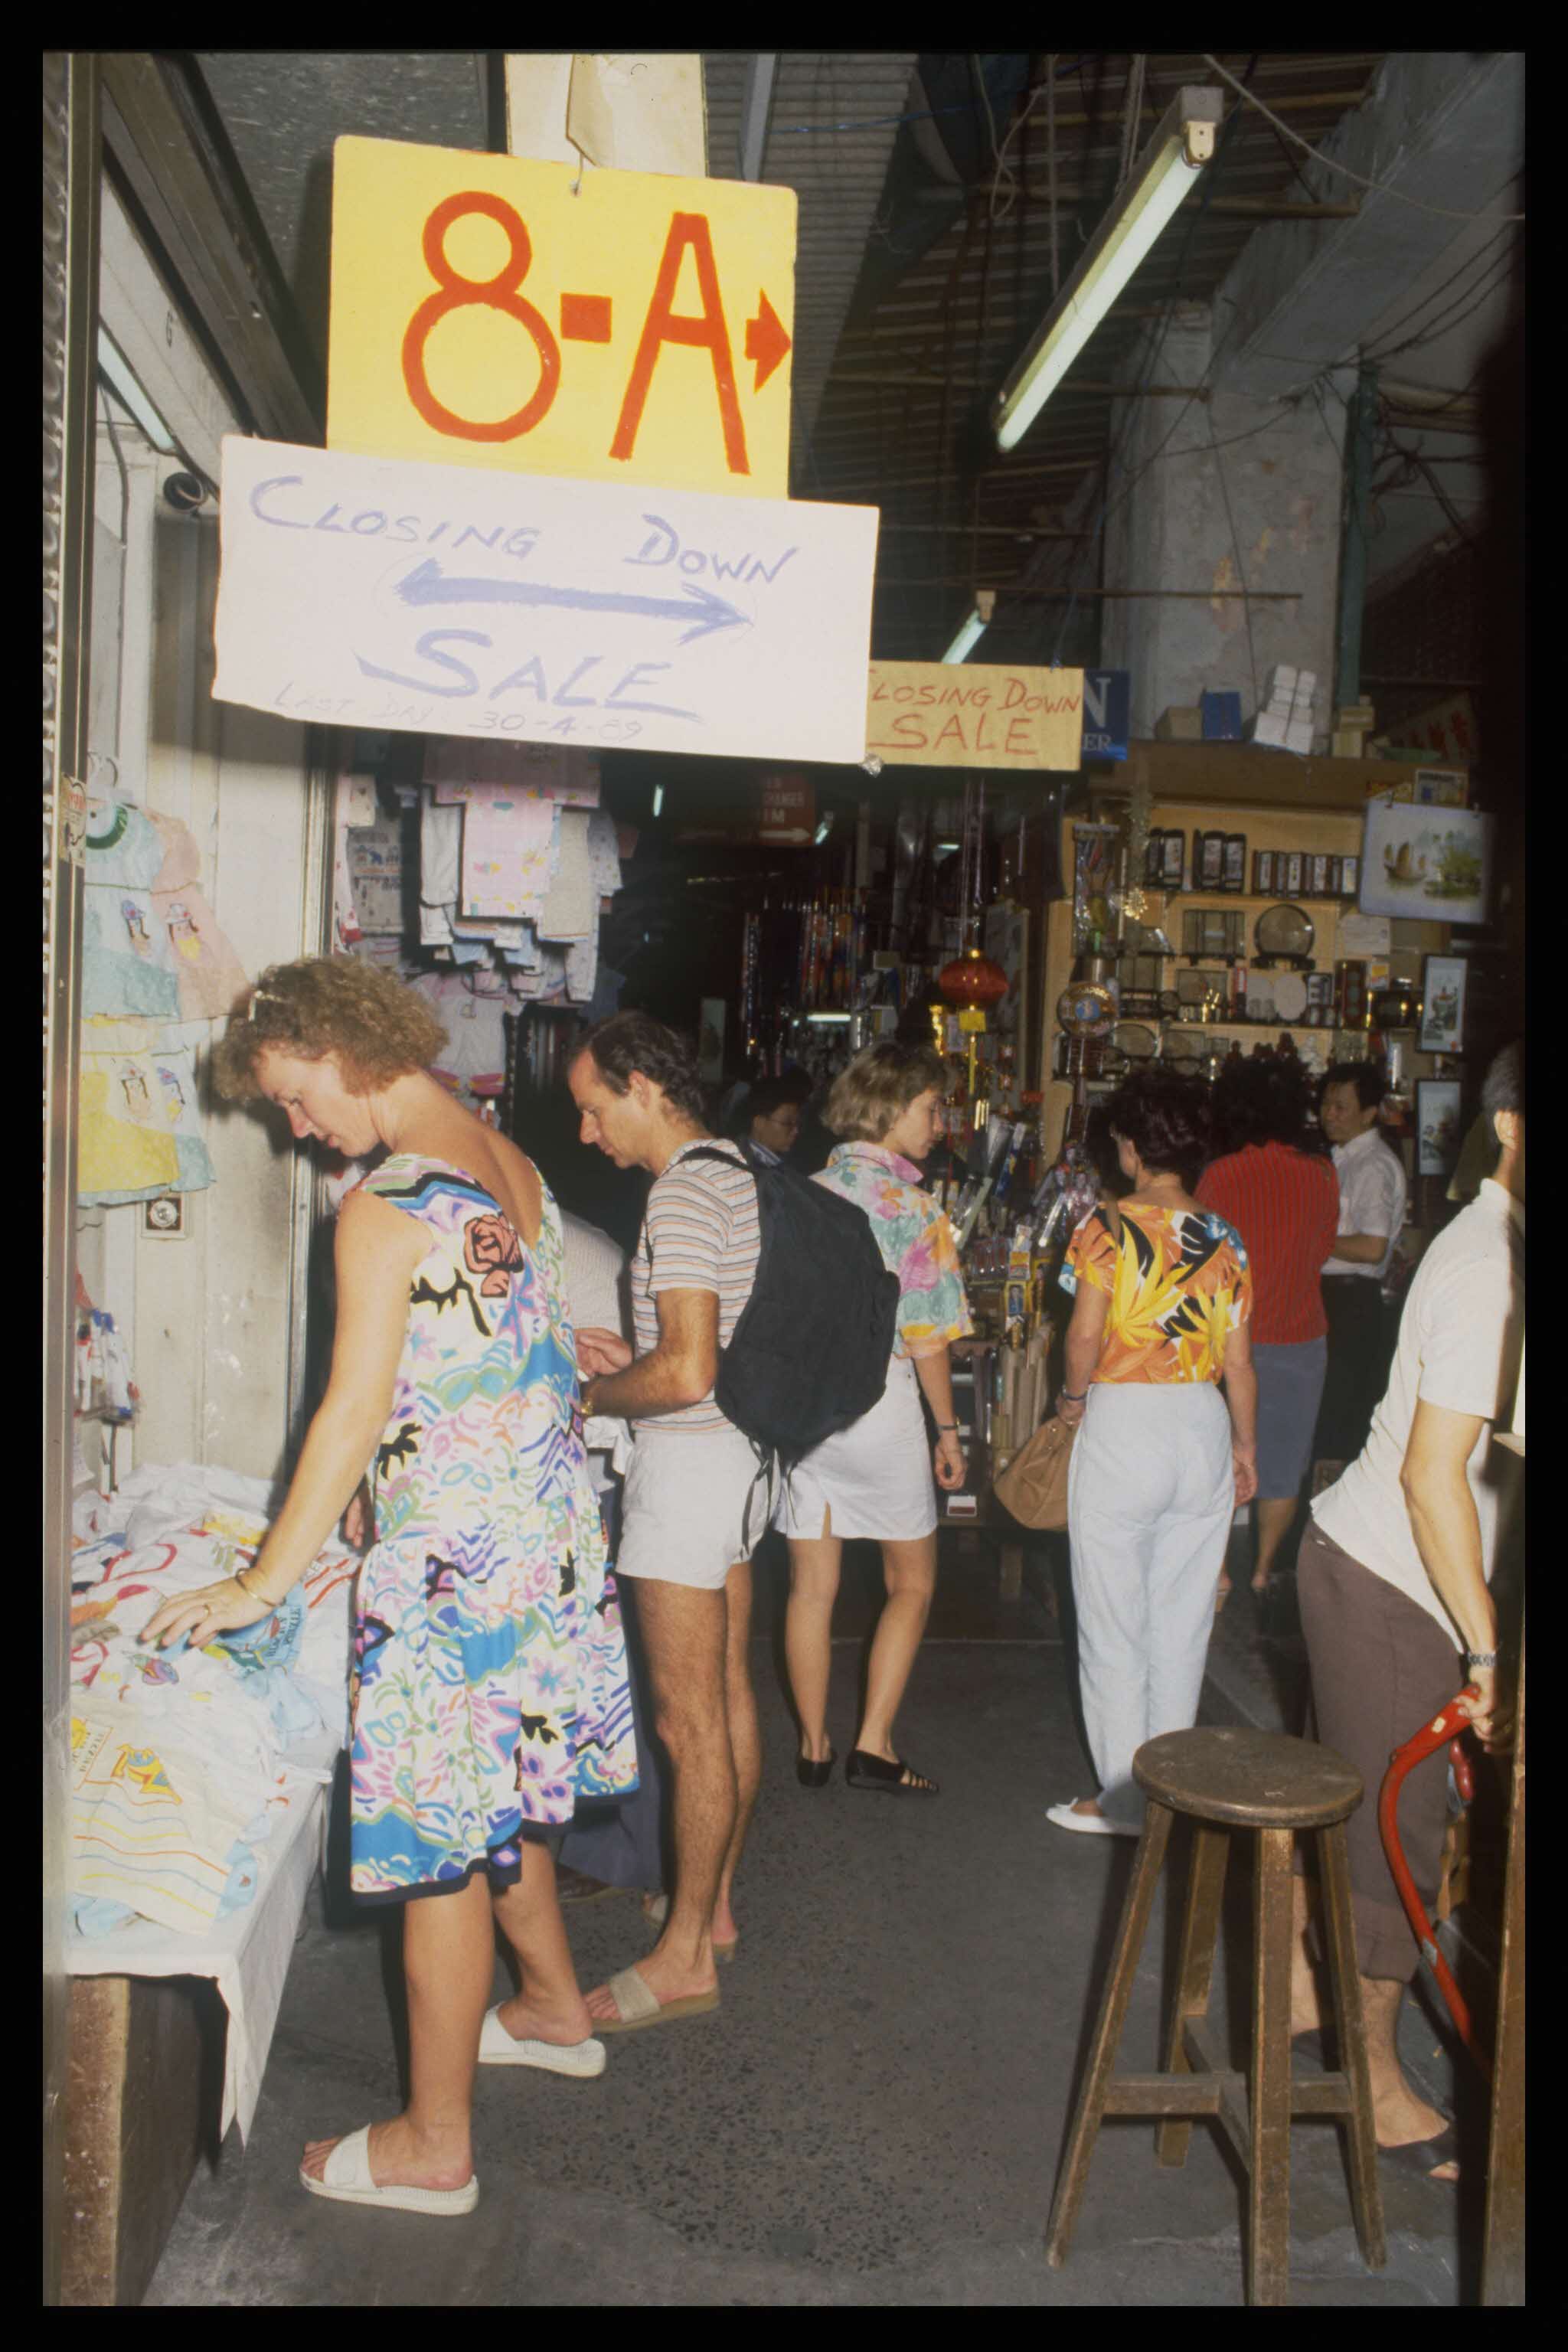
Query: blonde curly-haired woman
[[489, 1682]]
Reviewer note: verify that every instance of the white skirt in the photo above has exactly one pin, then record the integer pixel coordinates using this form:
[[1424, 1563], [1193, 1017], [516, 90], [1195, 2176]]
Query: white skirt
[[873, 1479]]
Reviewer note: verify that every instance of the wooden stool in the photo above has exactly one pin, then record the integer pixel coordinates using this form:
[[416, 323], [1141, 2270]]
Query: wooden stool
[[1272, 1786]]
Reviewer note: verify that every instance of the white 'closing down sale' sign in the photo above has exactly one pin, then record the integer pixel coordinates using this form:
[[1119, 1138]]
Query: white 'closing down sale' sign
[[378, 593]]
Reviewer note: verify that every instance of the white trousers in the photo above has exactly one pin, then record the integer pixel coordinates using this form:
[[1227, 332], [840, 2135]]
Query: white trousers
[[1149, 1501]]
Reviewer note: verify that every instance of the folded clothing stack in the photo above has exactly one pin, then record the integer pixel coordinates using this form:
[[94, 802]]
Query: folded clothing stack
[[183, 1762]]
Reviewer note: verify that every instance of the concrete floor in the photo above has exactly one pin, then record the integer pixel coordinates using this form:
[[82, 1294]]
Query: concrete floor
[[876, 2115]]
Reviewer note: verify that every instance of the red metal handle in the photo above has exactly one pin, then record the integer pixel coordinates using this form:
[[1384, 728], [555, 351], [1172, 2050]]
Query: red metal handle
[[1444, 1726]]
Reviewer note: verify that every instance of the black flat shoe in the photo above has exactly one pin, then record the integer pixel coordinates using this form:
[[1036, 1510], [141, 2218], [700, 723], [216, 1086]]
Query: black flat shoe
[[813, 1774], [864, 1771]]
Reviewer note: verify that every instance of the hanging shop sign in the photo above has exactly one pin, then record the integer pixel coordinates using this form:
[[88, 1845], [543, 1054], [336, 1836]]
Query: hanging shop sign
[[1107, 702], [974, 715], [493, 311], [787, 813], [378, 593]]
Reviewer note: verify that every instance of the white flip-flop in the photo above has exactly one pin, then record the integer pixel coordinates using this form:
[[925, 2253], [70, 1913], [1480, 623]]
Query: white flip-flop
[[1088, 1824], [497, 2048], [347, 2180]]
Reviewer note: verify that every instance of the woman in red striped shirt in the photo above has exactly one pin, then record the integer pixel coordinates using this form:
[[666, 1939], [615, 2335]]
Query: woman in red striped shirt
[[1283, 1198]]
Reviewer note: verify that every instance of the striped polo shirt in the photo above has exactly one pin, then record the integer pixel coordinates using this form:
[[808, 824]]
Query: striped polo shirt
[[1285, 1204], [700, 1232]]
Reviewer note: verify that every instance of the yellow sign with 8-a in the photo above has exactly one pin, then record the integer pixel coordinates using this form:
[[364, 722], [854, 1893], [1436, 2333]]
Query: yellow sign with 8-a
[[627, 326]]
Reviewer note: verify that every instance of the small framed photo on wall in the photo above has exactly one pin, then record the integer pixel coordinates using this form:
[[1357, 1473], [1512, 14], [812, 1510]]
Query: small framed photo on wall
[[1437, 1125], [1443, 1004]]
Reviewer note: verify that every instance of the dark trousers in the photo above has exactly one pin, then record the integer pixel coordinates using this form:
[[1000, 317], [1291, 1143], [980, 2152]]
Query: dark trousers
[[1381, 1668], [1358, 1366]]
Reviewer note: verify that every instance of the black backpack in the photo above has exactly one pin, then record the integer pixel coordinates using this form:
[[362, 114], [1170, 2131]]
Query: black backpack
[[810, 1350]]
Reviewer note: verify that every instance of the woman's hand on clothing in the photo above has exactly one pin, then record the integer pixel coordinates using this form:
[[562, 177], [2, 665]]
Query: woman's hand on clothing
[[212, 1609], [601, 1353], [1245, 1462], [948, 1460]]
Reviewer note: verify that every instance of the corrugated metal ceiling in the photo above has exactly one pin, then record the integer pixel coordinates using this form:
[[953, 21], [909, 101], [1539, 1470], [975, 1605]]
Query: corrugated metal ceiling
[[894, 366]]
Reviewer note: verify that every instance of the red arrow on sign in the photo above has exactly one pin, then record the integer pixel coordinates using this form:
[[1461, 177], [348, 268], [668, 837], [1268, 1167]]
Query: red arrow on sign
[[766, 341]]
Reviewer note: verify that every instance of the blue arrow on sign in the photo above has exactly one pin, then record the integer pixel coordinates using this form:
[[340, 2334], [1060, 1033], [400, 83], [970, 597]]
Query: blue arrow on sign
[[429, 585]]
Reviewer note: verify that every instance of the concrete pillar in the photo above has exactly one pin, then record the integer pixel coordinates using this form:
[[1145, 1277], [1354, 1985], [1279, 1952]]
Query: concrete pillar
[[1209, 497]]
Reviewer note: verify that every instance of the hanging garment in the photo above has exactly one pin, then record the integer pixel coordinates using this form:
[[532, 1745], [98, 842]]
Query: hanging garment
[[507, 853], [440, 869], [140, 1130], [571, 909], [604, 854], [208, 973], [461, 770]]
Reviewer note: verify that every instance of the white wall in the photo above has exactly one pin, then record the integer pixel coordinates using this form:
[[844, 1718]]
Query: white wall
[[206, 1315]]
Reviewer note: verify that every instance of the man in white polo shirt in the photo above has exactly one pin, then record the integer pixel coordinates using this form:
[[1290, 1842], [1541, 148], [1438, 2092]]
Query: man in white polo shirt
[[1372, 1215], [1393, 1581], [693, 1507]]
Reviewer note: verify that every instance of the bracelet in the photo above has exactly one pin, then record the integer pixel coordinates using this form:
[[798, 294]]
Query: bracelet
[[1480, 1658], [1066, 1396], [950, 1425], [239, 1576]]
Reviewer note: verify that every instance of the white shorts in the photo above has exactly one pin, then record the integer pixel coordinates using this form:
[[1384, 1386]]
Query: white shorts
[[873, 1479], [684, 1507]]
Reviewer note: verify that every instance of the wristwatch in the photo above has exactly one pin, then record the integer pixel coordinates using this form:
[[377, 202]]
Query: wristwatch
[[1480, 1658]]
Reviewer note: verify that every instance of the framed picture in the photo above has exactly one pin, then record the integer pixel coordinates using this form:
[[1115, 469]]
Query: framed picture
[[1437, 1125], [1442, 787], [1431, 863], [1443, 1004]]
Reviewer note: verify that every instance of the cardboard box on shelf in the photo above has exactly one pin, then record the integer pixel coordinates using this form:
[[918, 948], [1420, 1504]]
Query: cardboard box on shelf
[[1180, 723]]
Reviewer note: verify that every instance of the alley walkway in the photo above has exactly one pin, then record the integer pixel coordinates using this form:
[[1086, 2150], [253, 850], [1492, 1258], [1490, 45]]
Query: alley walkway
[[875, 2115]]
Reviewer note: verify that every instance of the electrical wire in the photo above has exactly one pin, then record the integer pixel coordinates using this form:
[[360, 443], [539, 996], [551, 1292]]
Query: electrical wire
[[1426, 301], [1379, 187]]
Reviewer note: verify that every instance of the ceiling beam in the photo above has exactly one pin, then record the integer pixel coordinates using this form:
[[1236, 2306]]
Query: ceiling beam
[[168, 159]]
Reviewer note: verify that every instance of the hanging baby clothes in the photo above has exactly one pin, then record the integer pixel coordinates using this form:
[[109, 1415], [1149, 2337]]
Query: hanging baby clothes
[[440, 869], [126, 965], [458, 767], [139, 1129], [571, 909], [508, 842], [208, 973]]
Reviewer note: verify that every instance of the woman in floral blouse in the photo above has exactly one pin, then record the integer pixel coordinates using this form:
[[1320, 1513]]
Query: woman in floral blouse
[[875, 1478]]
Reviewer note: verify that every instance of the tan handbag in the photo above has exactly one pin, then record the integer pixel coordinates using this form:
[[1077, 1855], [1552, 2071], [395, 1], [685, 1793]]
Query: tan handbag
[[1034, 1485]]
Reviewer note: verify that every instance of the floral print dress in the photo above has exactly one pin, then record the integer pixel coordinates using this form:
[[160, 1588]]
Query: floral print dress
[[873, 1479], [489, 1687]]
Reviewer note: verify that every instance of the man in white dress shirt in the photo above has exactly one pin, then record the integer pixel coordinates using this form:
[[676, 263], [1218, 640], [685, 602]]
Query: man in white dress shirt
[[1394, 1581], [1372, 1214]]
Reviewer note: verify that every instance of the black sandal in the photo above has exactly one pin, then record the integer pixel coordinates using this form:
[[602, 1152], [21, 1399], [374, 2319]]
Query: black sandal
[[864, 1771], [815, 1772]]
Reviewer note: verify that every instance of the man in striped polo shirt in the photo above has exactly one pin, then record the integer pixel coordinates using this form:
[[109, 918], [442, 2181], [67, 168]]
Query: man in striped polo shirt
[[690, 1516]]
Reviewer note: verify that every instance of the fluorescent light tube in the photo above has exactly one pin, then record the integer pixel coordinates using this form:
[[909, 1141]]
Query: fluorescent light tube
[[1166, 172], [658, 798], [968, 637], [974, 628], [116, 371]]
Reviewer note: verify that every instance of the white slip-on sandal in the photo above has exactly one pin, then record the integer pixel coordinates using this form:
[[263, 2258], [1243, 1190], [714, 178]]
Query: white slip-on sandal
[[347, 2179], [1088, 1824], [497, 2048]]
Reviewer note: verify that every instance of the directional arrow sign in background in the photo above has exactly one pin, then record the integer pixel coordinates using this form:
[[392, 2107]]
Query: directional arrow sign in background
[[382, 594], [491, 310]]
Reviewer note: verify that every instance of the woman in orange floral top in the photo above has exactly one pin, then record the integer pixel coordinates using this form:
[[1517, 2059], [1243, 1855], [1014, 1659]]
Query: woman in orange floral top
[[1162, 1301]]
